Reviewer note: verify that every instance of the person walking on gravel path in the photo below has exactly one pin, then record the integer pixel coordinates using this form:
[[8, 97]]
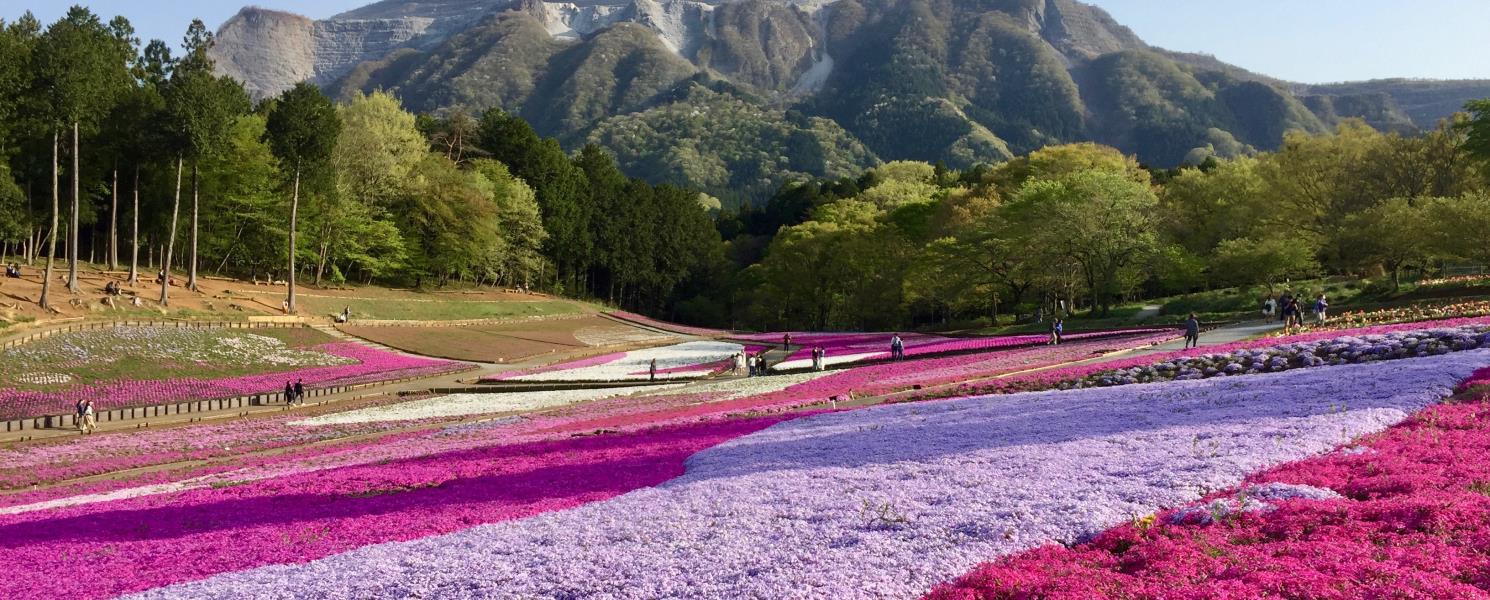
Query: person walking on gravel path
[[1321, 309], [1192, 331], [289, 393], [299, 391], [652, 370]]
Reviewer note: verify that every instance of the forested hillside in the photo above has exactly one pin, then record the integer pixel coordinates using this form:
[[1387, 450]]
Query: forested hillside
[[814, 89]]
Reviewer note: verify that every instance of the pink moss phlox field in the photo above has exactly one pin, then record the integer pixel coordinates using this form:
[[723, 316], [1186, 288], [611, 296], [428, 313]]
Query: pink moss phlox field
[[1415, 523], [136, 544], [877, 345], [887, 501], [372, 365], [1053, 377]]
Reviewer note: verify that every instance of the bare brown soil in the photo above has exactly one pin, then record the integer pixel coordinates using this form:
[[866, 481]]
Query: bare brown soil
[[507, 342]]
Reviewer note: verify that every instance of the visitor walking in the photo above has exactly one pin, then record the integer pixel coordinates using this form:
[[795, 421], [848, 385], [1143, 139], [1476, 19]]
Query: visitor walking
[[289, 393], [786, 341], [89, 422], [1269, 305], [652, 370], [1060, 331], [1321, 309], [1052, 340], [77, 417], [817, 358], [1283, 307], [1192, 331], [299, 391], [897, 347]]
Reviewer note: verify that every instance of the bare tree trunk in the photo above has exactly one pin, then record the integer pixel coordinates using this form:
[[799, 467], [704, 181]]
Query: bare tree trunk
[[72, 233], [46, 278], [294, 215], [114, 222], [134, 256], [191, 278], [165, 263], [321, 263]]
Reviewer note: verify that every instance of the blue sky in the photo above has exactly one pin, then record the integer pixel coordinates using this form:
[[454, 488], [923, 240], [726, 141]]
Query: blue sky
[[1311, 41]]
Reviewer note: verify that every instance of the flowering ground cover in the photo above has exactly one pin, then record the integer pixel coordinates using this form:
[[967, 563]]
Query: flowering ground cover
[[879, 502], [845, 348], [138, 543], [1407, 508], [347, 364], [678, 361], [1401, 314], [458, 405], [1068, 376], [23, 466], [1282, 357]]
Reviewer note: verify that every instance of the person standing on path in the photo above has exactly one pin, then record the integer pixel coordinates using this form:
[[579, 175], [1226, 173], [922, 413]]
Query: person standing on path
[[1321, 309], [78, 417], [1192, 331], [289, 393], [652, 370], [299, 391], [1060, 330], [89, 423]]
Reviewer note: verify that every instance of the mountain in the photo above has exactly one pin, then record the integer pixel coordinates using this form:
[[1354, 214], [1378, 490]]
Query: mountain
[[736, 96]]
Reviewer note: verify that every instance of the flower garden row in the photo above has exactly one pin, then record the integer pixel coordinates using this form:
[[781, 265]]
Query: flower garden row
[[1403, 515], [886, 501], [1401, 314], [325, 365]]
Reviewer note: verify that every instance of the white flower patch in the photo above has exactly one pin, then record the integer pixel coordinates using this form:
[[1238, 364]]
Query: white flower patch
[[43, 378], [679, 361], [617, 335], [459, 405], [805, 363]]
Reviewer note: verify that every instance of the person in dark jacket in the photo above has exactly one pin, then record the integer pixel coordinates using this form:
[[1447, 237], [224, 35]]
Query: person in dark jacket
[[289, 393], [1192, 331], [299, 391]]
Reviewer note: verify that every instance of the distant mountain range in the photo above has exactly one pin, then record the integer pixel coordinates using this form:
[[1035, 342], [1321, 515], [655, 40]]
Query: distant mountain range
[[734, 97]]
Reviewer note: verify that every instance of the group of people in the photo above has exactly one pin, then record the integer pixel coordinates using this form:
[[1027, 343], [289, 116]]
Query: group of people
[[86, 418], [1287, 308], [295, 393], [113, 288], [818, 352], [756, 364], [13, 270], [897, 348], [1057, 329]]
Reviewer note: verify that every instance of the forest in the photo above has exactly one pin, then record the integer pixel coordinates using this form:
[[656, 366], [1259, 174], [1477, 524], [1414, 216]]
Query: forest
[[132, 156]]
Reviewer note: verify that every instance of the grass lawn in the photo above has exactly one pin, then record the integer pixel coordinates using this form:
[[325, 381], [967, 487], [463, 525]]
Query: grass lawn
[[434, 309], [151, 353]]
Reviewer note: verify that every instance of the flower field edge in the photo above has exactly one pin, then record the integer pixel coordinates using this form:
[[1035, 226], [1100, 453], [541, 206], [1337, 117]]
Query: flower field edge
[[1413, 508]]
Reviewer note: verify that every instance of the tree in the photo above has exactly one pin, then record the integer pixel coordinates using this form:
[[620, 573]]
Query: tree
[[378, 151], [1477, 130], [1391, 233], [1268, 260], [1460, 227], [1101, 219], [302, 131], [201, 108], [80, 67]]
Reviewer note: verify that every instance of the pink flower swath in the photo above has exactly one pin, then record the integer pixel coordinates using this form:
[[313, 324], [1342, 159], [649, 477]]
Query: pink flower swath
[[148, 542], [1415, 523], [372, 365]]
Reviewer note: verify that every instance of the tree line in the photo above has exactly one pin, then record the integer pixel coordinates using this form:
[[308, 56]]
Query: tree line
[[145, 161], [911, 244]]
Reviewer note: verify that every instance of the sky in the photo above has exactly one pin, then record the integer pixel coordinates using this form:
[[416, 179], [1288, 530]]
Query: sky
[[1308, 41]]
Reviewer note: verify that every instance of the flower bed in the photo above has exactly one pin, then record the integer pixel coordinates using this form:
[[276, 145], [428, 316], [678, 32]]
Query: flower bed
[[678, 361], [845, 348], [457, 405], [1337, 351], [1404, 516], [139, 543], [362, 364], [1067, 376], [1403, 314], [879, 502]]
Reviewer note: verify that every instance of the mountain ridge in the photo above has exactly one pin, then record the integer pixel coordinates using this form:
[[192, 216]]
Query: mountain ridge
[[957, 81]]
